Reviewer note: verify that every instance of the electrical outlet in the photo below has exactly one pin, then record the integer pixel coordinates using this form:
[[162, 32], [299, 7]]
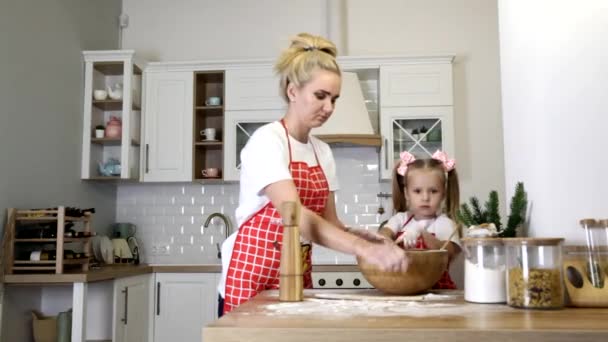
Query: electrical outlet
[[161, 249]]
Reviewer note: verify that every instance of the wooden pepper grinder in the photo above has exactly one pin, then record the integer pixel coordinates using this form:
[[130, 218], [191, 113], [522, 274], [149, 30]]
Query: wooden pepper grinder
[[291, 282]]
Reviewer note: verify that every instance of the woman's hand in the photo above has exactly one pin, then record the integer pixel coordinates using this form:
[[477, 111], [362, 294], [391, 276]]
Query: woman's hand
[[385, 255]]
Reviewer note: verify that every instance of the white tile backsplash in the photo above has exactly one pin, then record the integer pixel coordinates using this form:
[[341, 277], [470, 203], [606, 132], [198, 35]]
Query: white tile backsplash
[[173, 215]]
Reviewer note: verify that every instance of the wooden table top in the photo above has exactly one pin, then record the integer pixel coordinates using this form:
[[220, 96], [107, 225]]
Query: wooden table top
[[441, 318]]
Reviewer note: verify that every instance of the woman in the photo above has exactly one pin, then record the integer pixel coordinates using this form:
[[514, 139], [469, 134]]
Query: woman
[[283, 162]]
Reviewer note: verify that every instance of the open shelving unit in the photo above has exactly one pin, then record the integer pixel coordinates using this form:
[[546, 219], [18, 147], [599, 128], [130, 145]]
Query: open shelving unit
[[208, 154], [16, 247], [103, 69]]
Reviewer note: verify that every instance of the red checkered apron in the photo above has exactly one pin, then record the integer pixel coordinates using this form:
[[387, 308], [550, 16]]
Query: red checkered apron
[[254, 266], [445, 282]]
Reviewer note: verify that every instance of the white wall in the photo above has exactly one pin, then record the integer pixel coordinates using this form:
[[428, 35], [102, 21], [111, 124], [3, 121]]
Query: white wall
[[554, 80], [163, 30]]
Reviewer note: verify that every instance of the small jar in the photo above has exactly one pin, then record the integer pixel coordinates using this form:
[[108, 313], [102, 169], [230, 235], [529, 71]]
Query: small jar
[[534, 273], [484, 270]]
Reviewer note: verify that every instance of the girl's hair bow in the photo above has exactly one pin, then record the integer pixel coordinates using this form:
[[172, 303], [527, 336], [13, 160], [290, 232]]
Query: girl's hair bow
[[448, 164], [406, 159]]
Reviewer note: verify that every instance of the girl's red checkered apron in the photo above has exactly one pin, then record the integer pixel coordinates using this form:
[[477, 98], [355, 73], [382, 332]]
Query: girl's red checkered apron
[[256, 256], [445, 282]]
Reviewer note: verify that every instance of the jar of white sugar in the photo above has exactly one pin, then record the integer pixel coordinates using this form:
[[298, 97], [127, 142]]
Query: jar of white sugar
[[484, 270]]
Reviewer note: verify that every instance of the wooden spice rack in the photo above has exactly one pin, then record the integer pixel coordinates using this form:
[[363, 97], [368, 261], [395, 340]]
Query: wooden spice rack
[[17, 219]]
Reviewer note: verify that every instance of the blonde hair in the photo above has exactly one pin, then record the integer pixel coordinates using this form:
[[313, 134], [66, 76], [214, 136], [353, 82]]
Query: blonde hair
[[305, 54], [452, 189]]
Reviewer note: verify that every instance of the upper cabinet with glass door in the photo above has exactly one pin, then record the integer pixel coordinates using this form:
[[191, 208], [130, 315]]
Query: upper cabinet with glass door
[[418, 130], [416, 110], [252, 100], [112, 115], [240, 126]]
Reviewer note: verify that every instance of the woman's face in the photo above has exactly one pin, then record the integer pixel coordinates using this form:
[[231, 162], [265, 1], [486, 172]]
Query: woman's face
[[314, 101]]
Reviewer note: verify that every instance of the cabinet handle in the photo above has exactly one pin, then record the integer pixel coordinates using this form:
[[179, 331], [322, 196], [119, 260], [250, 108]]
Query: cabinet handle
[[158, 298], [147, 157], [386, 154], [126, 292]]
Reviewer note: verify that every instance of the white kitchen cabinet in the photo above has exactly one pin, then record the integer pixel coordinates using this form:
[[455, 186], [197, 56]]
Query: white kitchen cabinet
[[133, 299], [185, 302], [239, 126], [424, 84], [168, 106], [416, 109], [253, 88], [418, 130], [120, 71]]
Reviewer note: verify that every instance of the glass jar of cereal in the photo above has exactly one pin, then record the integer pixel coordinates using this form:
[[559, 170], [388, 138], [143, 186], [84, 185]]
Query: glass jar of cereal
[[534, 273]]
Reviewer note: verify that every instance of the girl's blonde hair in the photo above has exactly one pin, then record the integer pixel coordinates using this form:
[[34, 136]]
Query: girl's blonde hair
[[452, 190], [305, 54]]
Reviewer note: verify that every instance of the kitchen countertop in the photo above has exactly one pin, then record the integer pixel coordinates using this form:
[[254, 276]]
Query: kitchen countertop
[[264, 318], [109, 272]]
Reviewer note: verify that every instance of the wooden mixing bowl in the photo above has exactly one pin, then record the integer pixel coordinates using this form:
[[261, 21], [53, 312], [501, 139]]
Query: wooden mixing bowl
[[425, 269]]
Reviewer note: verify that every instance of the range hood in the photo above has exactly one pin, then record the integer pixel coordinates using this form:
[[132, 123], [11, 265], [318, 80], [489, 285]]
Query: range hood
[[350, 122]]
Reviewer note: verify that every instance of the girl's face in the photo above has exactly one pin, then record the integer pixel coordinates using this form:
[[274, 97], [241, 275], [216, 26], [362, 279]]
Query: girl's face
[[315, 101], [424, 192]]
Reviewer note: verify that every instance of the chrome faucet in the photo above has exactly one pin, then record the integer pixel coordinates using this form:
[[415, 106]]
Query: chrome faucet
[[227, 232]]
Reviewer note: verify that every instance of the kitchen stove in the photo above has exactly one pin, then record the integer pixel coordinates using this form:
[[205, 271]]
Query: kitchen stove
[[339, 280]]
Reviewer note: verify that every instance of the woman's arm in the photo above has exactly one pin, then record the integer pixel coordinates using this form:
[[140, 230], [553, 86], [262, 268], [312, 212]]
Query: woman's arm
[[386, 255], [330, 213]]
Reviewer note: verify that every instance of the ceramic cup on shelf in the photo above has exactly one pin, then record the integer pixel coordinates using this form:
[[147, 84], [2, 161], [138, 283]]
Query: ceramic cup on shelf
[[211, 172], [100, 94], [208, 133], [213, 101]]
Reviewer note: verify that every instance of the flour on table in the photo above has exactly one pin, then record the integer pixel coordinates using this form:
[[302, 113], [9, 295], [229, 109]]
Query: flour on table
[[329, 308]]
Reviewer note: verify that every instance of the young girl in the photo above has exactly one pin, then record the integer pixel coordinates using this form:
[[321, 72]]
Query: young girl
[[420, 188]]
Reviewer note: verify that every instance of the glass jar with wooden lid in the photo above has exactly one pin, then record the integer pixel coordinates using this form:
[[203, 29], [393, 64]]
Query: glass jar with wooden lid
[[534, 273]]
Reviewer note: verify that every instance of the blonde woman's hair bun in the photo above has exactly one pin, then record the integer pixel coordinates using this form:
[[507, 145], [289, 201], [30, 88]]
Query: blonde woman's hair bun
[[306, 53], [308, 42]]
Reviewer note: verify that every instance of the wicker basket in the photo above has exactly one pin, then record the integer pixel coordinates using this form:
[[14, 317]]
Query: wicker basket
[[425, 269]]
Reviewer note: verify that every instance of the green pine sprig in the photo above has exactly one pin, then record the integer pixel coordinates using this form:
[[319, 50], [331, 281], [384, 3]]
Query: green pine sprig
[[473, 214]]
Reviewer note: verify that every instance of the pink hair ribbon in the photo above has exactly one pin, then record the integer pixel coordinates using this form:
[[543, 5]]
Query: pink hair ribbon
[[448, 164], [406, 159]]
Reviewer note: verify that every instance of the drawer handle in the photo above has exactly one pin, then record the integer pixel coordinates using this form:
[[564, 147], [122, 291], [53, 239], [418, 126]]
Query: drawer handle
[[126, 292], [147, 157], [386, 154], [158, 298]]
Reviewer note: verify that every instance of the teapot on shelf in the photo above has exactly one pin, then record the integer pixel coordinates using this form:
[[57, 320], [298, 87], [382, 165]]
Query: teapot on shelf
[[116, 93], [114, 128], [109, 168]]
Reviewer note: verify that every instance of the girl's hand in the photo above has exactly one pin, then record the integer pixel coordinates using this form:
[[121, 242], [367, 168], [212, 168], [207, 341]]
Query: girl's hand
[[431, 241], [385, 255], [410, 237]]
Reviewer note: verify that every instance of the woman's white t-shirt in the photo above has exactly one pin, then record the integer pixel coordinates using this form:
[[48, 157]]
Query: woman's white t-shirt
[[442, 226], [265, 160]]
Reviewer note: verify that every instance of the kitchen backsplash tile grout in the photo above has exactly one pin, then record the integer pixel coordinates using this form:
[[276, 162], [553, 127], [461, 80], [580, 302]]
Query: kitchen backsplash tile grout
[[172, 215]]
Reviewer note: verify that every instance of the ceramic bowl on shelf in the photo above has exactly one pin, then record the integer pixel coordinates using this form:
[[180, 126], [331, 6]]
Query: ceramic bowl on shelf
[[100, 94], [425, 269]]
